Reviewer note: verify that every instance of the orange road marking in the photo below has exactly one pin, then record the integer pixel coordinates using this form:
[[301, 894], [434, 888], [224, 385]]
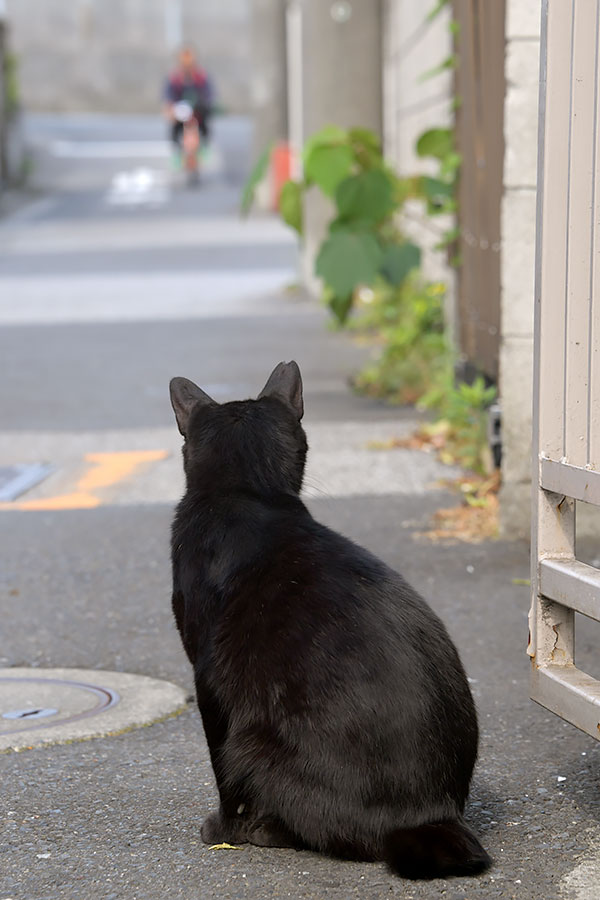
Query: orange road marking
[[107, 469]]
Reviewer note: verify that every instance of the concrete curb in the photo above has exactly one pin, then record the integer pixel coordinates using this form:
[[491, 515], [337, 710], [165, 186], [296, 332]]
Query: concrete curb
[[57, 706]]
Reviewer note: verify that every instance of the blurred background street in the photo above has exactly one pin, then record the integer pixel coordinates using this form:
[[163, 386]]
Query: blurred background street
[[117, 273]]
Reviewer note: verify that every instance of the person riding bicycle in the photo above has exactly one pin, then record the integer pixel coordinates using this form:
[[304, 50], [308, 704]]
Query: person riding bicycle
[[188, 83]]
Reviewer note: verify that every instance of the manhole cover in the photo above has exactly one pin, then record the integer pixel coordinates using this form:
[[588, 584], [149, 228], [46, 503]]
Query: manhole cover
[[39, 706], [42, 698], [15, 480]]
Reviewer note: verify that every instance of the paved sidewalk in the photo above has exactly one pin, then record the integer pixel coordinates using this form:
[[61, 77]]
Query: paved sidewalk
[[95, 316]]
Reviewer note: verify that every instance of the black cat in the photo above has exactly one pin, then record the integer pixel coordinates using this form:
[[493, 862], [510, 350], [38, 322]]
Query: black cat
[[336, 710]]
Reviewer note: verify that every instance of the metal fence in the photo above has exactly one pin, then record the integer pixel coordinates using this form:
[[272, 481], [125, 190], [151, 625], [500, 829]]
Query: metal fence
[[567, 357]]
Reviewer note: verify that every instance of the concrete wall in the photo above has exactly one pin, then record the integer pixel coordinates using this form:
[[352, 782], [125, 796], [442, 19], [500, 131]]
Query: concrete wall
[[335, 80], [112, 55], [411, 47], [518, 260]]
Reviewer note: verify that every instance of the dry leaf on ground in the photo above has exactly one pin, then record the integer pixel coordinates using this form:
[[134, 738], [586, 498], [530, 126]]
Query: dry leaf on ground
[[476, 518], [224, 847]]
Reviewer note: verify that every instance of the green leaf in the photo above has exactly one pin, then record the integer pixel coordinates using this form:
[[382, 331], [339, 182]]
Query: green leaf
[[365, 138], [408, 187], [434, 13], [347, 259], [290, 204], [449, 237], [327, 165], [480, 502], [437, 142], [340, 307], [450, 165], [398, 261], [328, 135], [354, 225], [368, 196], [366, 147], [256, 176], [448, 63], [11, 83], [437, 193]]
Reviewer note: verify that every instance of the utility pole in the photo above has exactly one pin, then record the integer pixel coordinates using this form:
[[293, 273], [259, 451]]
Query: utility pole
[[269, 80]]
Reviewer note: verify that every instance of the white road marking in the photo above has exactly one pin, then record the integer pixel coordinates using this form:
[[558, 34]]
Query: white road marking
[[139, 187], [110, 149], [154, 296], [111, 232], [212, 159]]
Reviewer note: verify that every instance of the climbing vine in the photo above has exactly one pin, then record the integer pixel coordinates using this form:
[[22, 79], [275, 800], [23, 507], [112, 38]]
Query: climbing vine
[[371, 271]]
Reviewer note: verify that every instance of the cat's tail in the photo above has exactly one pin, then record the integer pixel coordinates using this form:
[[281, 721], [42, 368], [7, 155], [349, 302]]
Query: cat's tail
[[435, 850]]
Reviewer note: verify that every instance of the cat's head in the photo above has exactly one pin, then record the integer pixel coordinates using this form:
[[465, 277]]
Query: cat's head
[[257, 445]]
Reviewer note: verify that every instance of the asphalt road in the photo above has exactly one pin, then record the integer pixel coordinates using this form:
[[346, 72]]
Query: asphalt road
[[101, 302]]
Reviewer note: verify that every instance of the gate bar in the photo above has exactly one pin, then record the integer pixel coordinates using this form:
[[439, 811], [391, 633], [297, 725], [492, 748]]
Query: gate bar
[[574, 481], [571, 694], [571, 583]]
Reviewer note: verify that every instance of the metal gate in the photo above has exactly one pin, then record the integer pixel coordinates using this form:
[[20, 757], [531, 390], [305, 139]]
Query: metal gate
[[567, 356]]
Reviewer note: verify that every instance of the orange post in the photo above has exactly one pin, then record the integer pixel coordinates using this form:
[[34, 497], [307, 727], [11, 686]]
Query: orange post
[[281, 170]]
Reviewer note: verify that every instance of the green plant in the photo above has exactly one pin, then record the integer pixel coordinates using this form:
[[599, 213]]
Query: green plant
[[438, 191], [11, 87], [365, 248], [363, 243], [257, 174], [415, 365], [408, 321], [463, 408]]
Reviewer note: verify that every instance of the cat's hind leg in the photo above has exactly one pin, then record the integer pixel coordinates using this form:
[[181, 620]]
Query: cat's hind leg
[[220, 828], [270, 832]]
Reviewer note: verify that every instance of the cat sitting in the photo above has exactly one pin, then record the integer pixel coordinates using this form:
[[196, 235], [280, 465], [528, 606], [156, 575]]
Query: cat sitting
[[336, 710]]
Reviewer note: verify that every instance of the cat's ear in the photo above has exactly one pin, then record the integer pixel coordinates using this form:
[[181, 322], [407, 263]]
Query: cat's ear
[[184, 397], [285, 382]]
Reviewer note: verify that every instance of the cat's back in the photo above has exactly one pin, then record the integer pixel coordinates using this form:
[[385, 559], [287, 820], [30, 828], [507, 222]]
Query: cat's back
[[294, 585]]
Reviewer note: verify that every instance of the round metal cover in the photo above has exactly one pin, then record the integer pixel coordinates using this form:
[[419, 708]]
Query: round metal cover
[[41, 706], [71, 701]]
